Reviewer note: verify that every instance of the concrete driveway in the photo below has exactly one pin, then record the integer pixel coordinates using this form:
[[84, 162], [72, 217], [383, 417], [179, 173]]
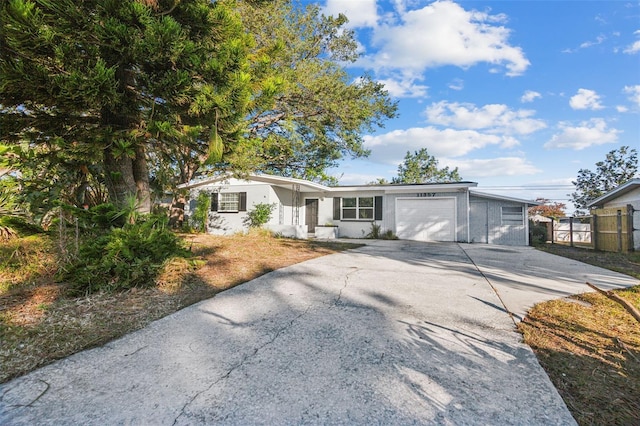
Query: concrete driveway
[[395, 332]]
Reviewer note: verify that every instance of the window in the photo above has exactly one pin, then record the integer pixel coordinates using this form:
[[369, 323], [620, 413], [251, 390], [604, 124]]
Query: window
[[512, 215], [229, 202], [357, 208]]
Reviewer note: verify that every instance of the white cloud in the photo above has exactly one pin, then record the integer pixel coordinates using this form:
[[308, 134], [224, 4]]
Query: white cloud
[[493, 117], [585, 99], [443, 33], [361, 13], [404, 88], [530, 96], [482, 168], [633, 47], [597, 41], [622, 108], [456, 84], [588, 133], [634, 94], [391, 147]]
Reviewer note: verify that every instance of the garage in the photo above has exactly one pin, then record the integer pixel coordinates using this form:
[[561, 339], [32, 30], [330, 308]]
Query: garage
[[426, 219]]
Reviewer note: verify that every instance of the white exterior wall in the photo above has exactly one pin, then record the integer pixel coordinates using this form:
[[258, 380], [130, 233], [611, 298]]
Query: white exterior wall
[[360, 228], [631, 197], [516, 235], [351, 228], [227, 223]]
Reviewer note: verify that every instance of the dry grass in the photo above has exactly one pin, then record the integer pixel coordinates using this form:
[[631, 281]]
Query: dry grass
[[590, 348], [39, 323]]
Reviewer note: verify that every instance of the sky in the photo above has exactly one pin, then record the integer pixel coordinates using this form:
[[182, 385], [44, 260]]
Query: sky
[[518, 95]]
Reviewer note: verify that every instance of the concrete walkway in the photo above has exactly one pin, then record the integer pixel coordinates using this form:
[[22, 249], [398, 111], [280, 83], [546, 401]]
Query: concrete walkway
[[392, 333]]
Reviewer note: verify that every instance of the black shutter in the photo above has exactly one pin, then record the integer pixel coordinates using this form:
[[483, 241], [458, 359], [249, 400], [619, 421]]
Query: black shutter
[[378, 208], [214, 202], [336, 208], [242, 205]]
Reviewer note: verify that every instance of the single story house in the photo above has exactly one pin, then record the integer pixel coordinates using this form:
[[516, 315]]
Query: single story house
[[626, 196], [422, 212]]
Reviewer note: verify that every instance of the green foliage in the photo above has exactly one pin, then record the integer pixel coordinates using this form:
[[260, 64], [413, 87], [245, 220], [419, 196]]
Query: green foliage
[[200, 217], [111, 84], [421, 167], [537, 233], [123, 258], [20, 225], [619, 166], [259, 215], [307, 112], [376, 233]]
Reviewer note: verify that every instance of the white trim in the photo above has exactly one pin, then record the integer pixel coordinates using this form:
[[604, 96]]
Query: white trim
[[270, 179], [614, 193], [469, 218], [503, 198]]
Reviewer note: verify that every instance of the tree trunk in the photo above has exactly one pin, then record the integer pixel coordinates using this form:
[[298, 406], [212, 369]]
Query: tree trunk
[[119, 175], [141, 176]]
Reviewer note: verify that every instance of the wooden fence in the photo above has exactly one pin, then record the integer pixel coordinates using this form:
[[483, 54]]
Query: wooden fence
[[604, 229]]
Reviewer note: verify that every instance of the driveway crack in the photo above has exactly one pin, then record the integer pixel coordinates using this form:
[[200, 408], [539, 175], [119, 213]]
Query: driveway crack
[[354, 269], [242, 362]]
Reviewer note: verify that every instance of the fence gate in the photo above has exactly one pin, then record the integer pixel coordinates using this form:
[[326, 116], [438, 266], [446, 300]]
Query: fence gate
[[613, 228]]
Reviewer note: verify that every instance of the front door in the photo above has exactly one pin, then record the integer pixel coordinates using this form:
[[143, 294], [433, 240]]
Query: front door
[[311, 214]]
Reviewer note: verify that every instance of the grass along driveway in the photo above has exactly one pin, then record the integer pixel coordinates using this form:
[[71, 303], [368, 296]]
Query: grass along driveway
[[39, 323], [590, 346]]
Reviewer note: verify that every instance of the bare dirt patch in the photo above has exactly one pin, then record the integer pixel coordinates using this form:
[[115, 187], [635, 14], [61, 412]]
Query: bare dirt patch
[[40, 323]]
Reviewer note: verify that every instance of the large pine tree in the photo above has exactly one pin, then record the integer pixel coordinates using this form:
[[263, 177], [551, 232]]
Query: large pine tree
[[118, 81]]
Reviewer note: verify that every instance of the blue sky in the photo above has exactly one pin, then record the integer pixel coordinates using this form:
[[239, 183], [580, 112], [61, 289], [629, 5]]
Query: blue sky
[[519, 95]]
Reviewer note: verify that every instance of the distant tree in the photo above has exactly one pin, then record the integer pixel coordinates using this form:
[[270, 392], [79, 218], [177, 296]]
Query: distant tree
[[618, 167], [379, 181], [548, 209], [421, 167]]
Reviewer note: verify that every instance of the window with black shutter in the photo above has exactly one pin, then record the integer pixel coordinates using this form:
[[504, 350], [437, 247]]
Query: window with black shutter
[[229, 202]]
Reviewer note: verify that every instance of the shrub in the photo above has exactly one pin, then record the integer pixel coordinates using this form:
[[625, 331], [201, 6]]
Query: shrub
[[200, 216], [377, 233], [537, 233], [260, 215], [123, 258]]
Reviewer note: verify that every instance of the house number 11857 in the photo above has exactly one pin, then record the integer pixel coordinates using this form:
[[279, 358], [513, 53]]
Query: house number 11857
[[426, 194]]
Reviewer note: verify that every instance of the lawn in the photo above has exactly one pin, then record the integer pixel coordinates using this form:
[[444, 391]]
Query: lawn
[[40, 323], [590, 346]]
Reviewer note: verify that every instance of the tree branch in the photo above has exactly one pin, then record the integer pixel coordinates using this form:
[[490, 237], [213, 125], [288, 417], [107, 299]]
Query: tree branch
[[624, 303]]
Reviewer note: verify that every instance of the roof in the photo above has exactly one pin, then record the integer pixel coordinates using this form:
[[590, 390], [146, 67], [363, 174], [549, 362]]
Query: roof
[[503, 198], [309, 186], [404, 187], [270, 179], [628, 186]]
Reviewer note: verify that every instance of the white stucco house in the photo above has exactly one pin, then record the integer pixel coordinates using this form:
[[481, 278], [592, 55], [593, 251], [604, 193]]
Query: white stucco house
[[421, 212]]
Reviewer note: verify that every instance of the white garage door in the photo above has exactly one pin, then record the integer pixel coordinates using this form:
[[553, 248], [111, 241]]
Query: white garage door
[[431, 219]]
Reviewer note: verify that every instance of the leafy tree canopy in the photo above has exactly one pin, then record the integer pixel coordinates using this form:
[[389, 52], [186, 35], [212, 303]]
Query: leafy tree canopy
[[548, 208], [421, 167], [307, 113], [618, 167], [112, 83]]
